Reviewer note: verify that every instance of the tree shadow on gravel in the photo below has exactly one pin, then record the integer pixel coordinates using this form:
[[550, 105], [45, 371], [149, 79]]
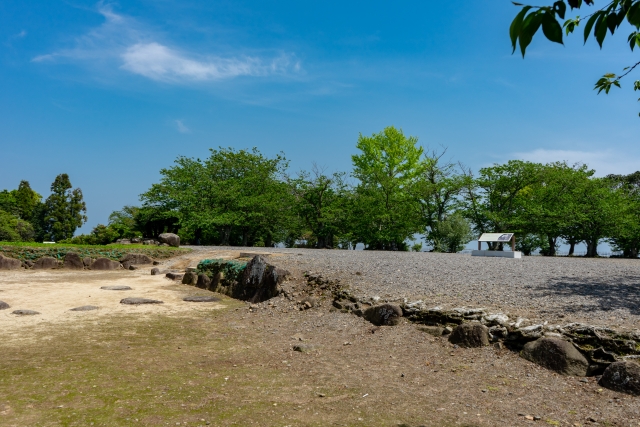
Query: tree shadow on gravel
[[603, 294]]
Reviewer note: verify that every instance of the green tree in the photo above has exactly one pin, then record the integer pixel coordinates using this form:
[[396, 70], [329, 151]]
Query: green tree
[[64, 210], [450, 234], [14, 229], [626, 237], [124, 222], [27, 201], [387, 167], [437, 190], [494, 201], [234, 197], [608, 18], [320, 201]]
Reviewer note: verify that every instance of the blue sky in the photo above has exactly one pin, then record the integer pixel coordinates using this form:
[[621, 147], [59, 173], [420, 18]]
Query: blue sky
[[111, 92]]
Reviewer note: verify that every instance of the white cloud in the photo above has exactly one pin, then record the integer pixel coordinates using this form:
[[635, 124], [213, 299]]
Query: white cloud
[[159, 62], [134, 48], [182, 128], [604, 162]]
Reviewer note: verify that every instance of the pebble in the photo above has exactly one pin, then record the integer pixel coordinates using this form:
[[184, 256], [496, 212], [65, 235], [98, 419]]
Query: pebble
[[116, 288]]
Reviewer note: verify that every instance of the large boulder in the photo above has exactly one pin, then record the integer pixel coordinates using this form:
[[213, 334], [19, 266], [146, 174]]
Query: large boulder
[[470, 334], [260, 281], [623, 377], [170, 239], [46, 262], [136, 259], [105, 264], [7, 263], [385, 314], [73, 261], [204, 282], [557, 355], [190, 278]]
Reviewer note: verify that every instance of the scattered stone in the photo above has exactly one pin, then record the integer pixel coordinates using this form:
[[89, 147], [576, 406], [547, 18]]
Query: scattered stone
[[116, 288], [105, 264], [24, 312], [190, 279], [156, 262], [133, 267], [73, 261], [85, 308], [201, 299], [385, 314], [308, 302], [46, 262], [203, 281], [27, 263], [557, 355], [155, 271], [174, 276], [623, 377], [470, 335], [169, 239], [304, 348], [7, 263], [137, 301], [136, 259], [87, 261], [4, 305]]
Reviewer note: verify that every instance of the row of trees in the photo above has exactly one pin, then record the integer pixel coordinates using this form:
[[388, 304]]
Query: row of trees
[[395, 193], [25, 217]]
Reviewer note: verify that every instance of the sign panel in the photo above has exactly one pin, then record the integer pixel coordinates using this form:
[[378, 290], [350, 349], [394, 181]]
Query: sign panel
[[495, 237]]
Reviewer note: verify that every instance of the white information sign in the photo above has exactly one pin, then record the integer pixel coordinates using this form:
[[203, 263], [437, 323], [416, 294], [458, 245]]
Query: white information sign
[[495, 237]]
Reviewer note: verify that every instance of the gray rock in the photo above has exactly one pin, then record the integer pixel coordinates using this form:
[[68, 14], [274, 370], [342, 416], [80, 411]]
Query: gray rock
[[27, 263], [133, 267], [126, 265], [24, 312], [116, 288], [4, 305], [204, 282], [138, 301], [198, 298], [260, 281], [557, 355], [174, 276], [85, 308], [7, 263], [136, 240], [136, 259], [87, 261], [303, 348], [73, 261], [170, 239], [46, 262], [385, 314], [155, 271], [470, 335], [105, 264], [190, 278], [623, 377]]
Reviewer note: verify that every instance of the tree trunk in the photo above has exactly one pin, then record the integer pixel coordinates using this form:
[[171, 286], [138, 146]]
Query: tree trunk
[[245, 237], [592, 248], [552, 245], [225, 233], [572, 247]]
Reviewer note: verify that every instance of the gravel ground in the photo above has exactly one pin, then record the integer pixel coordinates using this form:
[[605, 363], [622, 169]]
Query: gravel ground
[[599, 291]]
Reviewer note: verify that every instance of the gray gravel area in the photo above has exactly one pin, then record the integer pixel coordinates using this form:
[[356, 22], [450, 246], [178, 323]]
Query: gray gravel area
[[600, 291]]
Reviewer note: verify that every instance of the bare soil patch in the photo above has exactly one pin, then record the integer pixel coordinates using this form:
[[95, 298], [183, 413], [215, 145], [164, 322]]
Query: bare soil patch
[[231, 363]]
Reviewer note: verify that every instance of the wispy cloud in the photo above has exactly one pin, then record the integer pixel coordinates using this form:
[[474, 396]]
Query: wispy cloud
[[133, 47], [182, 128], [603, 162]]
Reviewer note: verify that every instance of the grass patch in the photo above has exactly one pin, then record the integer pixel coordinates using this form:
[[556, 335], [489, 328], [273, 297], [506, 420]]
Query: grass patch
[[32, 251]]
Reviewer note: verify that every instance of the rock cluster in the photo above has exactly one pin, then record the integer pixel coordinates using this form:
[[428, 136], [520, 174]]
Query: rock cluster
[[257, 281], [73, 261]]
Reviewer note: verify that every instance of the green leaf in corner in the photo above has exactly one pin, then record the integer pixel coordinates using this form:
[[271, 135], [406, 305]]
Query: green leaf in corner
[[551, 28], [589, 26], [516, 26], [530, 26], [600, 30], [560, 8]]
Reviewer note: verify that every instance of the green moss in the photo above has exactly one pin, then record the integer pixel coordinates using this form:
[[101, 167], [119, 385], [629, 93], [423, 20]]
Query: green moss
[[229, 270]]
